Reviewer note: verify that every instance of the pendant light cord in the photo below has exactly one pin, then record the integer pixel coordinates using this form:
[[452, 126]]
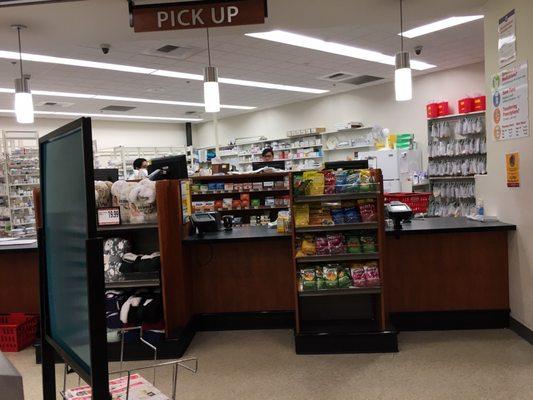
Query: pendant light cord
[[401, 22], [208, 47], [20, 53]]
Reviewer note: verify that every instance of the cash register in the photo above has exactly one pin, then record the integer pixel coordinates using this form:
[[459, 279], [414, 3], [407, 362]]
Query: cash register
[[204, 222], [398, 212]]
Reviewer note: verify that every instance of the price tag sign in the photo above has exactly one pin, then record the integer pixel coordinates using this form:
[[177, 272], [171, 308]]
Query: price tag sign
[[109, 216]]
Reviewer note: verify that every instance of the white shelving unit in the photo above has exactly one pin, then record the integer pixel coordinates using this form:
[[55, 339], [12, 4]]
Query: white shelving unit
[[122, 157], [19, 175]]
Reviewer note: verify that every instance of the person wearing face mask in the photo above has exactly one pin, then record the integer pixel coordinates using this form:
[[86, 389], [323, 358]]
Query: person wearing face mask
[[140, 169]]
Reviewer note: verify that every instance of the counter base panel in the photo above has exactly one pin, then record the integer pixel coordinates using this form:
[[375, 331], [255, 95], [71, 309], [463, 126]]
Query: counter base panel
[[244, 321], [521, 330], [346, 343], [451, 320], [19, 282]]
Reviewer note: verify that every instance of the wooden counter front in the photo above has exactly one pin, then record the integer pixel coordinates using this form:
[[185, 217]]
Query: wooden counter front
[[241, 276], [19, 281]]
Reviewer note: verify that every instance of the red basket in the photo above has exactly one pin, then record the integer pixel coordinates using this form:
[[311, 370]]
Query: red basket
[[419, 202], [17, 331]]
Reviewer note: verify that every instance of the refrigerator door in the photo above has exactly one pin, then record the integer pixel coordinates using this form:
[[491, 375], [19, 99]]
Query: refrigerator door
[[386, 160], [392, 186]]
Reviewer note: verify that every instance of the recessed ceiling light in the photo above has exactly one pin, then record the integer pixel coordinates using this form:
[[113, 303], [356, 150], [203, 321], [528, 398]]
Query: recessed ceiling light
[[308, 42], [113, 116], [11, 55], [440, 25], [126, 99]]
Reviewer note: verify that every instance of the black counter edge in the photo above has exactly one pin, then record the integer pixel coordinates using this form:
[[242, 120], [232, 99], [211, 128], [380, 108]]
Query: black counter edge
[[521, 330], [451, 320], [347, 343], [451, 230]]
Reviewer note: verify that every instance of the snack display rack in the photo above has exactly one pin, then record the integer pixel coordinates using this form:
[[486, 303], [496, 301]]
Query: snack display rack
[[340, 289], [457, 153], [244, 195], [19, 175]]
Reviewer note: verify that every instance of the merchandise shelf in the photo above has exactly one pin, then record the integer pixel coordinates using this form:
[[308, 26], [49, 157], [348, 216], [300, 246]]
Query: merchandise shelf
[[336, 197], [337, 228], [337, 258], [341, 292]]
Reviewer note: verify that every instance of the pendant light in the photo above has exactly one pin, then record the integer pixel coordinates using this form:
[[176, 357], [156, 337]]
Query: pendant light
[[403, 79], [23, 97], [211, 89]]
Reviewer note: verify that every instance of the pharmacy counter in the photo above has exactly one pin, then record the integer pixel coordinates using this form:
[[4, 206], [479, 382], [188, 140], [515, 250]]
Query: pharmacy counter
[[448, 273]]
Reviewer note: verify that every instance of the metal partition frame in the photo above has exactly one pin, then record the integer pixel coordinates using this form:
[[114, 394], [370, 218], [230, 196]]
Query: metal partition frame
[[97, 373]]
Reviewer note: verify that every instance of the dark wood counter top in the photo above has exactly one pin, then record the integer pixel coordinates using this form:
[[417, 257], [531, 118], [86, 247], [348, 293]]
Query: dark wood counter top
[[449, 225], [239, 234]]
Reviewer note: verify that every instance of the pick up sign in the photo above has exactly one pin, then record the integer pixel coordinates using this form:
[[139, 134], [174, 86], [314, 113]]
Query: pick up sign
[[198, 14]]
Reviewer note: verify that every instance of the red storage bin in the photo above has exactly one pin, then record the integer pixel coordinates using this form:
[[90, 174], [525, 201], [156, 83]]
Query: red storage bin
[[419, 202], [465, 105], [444, 108], [17, 331], [480, 103], [433, 110]]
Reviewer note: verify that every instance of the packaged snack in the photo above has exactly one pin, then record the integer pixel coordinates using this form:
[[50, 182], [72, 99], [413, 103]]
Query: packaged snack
[[365, 180], [353, 244], [209, 205], [256, 203], [336, 243], [220, 186], [218, 205], [352, 181], [247, 186], [279, 185], [301, 214], [337, 214], [330, 275], [368, 244], [319, 215], [228, 187], [268, 185], [308, 279], [329, 182], [204, 188], [368, 210], [371, 274], [195, 188], [343, 276], [308, 246], [238, 187], [245, 197], [351, 213], [358, 275], [227, 202], [322, 247], [257, 186], [316, 185], [278, 201], [236, 204], [341, 181], [320, 281], [286, 200], [211, 186], [286, 183], [269, 201]]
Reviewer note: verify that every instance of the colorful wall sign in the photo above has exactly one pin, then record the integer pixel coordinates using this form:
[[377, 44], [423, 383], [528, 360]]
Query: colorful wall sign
[[507, 39], [198, 14], [510, 99], [512, 164]]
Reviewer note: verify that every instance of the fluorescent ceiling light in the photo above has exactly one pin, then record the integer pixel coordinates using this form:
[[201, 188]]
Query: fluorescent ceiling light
[[440, 25], [11, 55], [126, 99], [114, 116], [308, 42]]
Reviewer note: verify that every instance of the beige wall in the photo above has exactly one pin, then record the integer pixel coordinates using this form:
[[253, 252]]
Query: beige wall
[[373, 105], [112, 133], [512, 205]]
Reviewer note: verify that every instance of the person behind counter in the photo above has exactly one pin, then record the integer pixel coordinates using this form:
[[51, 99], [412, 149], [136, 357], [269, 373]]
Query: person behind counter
[[140, 169], [267, 154]]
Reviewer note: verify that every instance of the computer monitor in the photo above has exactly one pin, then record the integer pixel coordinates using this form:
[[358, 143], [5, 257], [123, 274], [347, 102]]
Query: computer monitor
[[272, 164], [174, 167], [357, 164], [106, 174]]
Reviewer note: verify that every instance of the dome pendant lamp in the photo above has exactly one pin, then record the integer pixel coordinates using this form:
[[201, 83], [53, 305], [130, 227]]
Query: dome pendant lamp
[[211, 89], [23, 97], [403, 80]]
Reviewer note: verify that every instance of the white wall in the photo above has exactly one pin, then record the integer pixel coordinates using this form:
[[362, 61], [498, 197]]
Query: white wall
[[372, 105], [112, 133], [512, 205]]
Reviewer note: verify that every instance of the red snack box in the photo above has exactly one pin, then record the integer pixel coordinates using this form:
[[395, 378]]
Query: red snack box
[[245, 197], [444, 108], [236, 204], [433, 110], [465, 105], [480, 103], [218, 204]]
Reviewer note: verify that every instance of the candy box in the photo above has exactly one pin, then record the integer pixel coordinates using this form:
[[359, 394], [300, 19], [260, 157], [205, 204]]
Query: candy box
[[238, 187], [257, 186], [247, 186], [227, 202], [270, 201], [228, 187]]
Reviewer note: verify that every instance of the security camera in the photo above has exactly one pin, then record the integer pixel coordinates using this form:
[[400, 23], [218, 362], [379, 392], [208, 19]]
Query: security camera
[[418, 50], [105, 48]]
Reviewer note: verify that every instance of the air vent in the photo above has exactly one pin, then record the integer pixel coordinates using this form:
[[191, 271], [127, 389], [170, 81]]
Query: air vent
[[344, 77], [54, 104], [168, 48], [118, 108]]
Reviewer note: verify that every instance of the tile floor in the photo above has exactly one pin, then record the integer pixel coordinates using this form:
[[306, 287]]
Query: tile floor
[[465, 365]]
